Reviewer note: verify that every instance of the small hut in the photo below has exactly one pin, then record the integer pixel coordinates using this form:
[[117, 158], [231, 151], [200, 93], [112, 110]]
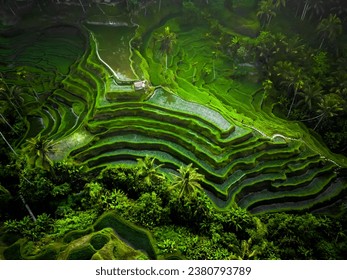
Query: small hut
[[140, 85]]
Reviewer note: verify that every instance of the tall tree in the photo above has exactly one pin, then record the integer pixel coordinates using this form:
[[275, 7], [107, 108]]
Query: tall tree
[[11, 95], [306, 8], [318, 8], [167, 40], [149, 171], [329, 28], [292, 77], [311, 95], [330, 106], [188, 180], [266, 11], [280, 3], [38, 150]]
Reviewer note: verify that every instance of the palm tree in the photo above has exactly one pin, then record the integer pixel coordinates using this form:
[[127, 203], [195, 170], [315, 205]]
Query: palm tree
[[318, 8], [329, 28], [311, 95], [167, 39], [297, 84], [329, 107], [307, 7], [266, 10], [38, 150], [148, 171], [10, 94], [188, 180], [279, 3], [292, 77]]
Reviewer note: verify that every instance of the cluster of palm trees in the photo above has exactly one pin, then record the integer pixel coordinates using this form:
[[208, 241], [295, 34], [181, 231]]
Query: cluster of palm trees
[[329, 27], [187, 182], [312, 99], [267, 9]]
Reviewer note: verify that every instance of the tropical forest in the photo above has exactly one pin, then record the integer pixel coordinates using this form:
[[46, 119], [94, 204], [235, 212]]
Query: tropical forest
[[173, 129]]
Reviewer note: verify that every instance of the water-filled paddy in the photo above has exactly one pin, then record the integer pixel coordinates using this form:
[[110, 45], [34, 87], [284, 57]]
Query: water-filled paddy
[[114, 48]]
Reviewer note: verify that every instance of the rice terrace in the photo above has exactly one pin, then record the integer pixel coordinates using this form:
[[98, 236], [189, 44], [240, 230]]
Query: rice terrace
[[173, 129]]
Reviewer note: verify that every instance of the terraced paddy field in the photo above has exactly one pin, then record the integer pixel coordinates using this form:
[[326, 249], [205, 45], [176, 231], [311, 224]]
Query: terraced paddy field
[[86, 102]]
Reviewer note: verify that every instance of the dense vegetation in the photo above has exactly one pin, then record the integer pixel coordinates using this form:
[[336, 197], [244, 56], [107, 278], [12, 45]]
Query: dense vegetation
[[81, 153]]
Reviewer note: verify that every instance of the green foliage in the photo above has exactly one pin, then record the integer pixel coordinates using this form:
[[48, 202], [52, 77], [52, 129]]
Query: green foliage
[[330, 28], [188, 181], [38, 152], [304, 236], [26, 227], [136, 237], [148, 172], [73, 221], [76, 234], [195, 211], [149, 211], [68, 172], [236, 220], [61, 190], [35, 185], [122, 178]]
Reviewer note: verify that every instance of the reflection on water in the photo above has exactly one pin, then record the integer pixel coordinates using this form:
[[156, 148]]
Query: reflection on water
[[114, 49], [172, 101]]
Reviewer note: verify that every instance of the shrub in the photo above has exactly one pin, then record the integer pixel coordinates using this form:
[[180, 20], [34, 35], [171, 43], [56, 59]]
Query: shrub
[[28, 228], [122, 178], [149, 211], [74, 221]]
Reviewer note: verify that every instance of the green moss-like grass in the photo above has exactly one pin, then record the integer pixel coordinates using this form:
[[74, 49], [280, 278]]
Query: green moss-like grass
[[138, 238]]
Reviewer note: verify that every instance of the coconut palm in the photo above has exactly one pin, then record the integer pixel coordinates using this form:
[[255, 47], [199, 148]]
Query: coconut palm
[[266, 10], [306, 8], [330, 106], [167, 40], [329, 28], [279, 3], [318, 8], [311, 94], [38, 150], [10, 94], [297, 84], [292, 77], [188, 180], [149, 171]]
